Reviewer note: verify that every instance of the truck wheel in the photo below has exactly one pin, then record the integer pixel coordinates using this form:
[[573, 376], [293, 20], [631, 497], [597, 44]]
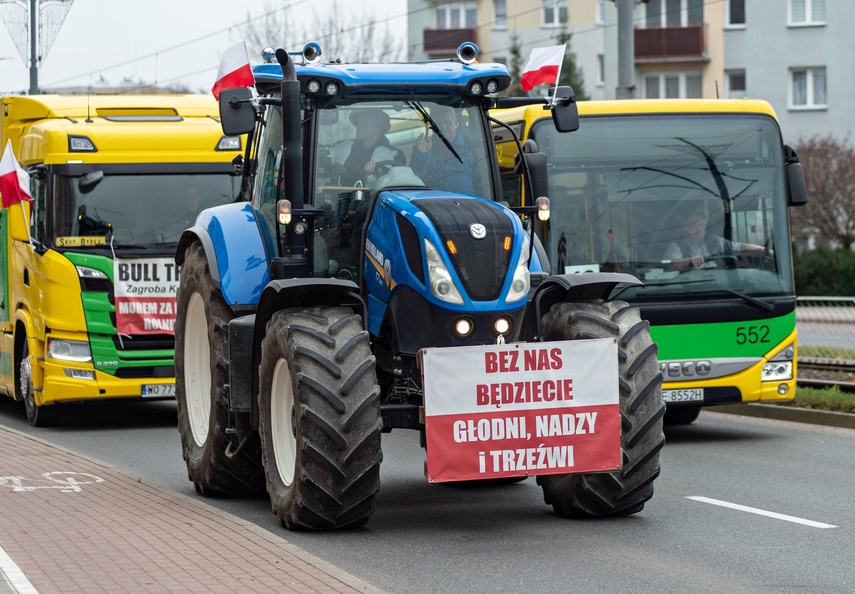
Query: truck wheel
[[201, 386], [682, 415], [625, 491], [37, 416], [319, 418]]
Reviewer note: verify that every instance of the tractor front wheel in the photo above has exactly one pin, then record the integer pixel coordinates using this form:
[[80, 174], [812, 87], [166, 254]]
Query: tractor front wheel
[[625, 491], [319, 418]]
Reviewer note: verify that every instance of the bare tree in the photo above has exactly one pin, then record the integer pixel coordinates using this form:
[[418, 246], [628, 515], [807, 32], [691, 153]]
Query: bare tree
[[273, 28], [829, 170], [349, 39]]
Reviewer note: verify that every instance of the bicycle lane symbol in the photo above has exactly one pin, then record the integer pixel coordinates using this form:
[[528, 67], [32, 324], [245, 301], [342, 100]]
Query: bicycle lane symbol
[[66, 482]]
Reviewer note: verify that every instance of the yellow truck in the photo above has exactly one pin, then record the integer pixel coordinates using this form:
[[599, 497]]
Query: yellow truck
[[88, 282]]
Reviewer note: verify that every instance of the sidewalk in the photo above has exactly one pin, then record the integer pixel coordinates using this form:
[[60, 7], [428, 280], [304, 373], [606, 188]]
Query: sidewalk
[[72, 524]]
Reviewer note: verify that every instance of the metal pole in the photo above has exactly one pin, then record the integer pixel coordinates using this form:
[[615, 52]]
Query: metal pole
[[626, 50], [34, 68]]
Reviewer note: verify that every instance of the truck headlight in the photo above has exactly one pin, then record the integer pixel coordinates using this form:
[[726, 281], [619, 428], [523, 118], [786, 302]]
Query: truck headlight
[[441, 283], [69, 350], [521, 283]]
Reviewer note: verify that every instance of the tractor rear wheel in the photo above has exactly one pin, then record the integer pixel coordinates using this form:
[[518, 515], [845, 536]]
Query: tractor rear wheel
[[319, 418], [625, 491], [201, 386]]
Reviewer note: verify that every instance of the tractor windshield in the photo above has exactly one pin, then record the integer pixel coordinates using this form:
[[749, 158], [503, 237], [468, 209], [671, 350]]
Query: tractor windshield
[[410, 143]]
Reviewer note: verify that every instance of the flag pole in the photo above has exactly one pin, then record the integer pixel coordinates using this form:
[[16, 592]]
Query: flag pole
[[558, 77]]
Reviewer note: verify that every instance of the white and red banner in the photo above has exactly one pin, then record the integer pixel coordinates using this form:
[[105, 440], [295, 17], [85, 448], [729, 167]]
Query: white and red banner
[[543, 66], [145, 290], [521, 409], [234, 71], [14, 181]]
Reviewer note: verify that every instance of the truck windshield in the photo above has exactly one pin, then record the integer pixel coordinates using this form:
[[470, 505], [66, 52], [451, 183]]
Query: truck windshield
[[142, 210], [647, 195]]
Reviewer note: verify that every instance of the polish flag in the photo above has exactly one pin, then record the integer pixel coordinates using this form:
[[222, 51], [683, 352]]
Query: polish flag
[[234, 70], [543, 66], [14, 181]]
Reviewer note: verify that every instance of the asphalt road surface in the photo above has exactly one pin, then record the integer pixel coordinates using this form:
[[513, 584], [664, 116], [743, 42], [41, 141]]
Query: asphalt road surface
[[742, 505]]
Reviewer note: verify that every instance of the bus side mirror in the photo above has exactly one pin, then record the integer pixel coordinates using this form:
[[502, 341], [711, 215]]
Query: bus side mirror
[[797, 192], [565, 111], [237, 114]]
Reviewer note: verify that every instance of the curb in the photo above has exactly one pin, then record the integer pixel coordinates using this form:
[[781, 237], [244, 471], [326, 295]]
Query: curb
[[788, 413]]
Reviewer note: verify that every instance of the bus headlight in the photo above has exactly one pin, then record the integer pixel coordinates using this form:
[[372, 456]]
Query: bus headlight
[[776, 371]]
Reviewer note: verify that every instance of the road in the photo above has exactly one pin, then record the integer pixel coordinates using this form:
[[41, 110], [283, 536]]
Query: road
[[430, 538]]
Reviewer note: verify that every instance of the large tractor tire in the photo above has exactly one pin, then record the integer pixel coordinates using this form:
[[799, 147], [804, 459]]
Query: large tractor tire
[[201, 386], [319, 419], [625, 491]]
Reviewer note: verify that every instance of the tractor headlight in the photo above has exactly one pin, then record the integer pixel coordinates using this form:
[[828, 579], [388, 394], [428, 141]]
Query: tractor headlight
[[441, 284], [521, 282]]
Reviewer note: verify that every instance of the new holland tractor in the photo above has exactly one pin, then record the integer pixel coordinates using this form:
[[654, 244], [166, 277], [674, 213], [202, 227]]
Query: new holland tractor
[[306, 311]]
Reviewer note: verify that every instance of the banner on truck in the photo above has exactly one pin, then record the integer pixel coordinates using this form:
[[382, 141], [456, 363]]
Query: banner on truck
[[521, 409], [145, 290]]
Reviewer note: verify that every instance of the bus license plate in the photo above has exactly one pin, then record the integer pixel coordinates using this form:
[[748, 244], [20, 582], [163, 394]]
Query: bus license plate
[[683, 395], [158, 390]]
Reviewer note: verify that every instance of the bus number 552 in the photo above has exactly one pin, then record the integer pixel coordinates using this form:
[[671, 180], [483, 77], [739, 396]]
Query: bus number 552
[[752, 334]]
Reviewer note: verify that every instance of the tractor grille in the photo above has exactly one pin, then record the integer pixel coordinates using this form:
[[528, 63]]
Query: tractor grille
[[482, 264]]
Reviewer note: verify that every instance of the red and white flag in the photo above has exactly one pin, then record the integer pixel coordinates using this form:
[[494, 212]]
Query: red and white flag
[[235, 70], [543, 66], [14, 181]]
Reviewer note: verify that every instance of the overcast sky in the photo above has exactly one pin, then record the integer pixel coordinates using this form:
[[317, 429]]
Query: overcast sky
[[158, 41]]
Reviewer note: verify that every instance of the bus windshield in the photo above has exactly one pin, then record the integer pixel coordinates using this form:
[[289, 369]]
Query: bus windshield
[[691, 204]]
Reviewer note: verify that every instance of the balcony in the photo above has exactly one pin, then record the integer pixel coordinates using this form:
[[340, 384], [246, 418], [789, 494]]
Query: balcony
[[446, 41], [664, 44]]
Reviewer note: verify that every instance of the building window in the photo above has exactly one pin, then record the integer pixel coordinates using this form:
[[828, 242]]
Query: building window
[[673, 85], [601, 70], [500, 14], [736, 13], [554, 12], [807, 88], [457, 15], [807, 12], [736, 84], [673, 13]]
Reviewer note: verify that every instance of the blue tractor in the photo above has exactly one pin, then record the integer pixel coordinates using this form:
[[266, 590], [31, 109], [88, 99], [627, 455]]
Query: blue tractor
[[303, 308]]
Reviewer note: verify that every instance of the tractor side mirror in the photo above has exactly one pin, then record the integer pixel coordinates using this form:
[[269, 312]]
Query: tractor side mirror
[[237, 114]]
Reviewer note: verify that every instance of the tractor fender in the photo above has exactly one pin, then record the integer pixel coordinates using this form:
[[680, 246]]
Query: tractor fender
[[571, 287], [238, 266]]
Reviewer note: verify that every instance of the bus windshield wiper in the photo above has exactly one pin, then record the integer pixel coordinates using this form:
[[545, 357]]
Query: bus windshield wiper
[[658, 284], [758, 303]]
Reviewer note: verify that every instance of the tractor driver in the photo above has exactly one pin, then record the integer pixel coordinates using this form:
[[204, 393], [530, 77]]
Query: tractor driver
[[357, 159]]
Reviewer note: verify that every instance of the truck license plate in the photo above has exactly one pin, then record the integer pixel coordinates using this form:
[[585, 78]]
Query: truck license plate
[[683, 395], [158, 390]]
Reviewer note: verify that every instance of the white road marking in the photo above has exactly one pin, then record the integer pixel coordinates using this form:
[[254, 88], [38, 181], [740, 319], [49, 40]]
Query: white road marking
[[761, 512], [14, 575]]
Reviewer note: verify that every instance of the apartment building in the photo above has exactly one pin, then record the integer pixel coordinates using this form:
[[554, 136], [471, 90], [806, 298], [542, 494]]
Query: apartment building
[[793, 53]]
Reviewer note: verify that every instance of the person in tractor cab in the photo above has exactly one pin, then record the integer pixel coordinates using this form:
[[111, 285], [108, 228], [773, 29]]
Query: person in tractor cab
[[438, 166], [358, 159]]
